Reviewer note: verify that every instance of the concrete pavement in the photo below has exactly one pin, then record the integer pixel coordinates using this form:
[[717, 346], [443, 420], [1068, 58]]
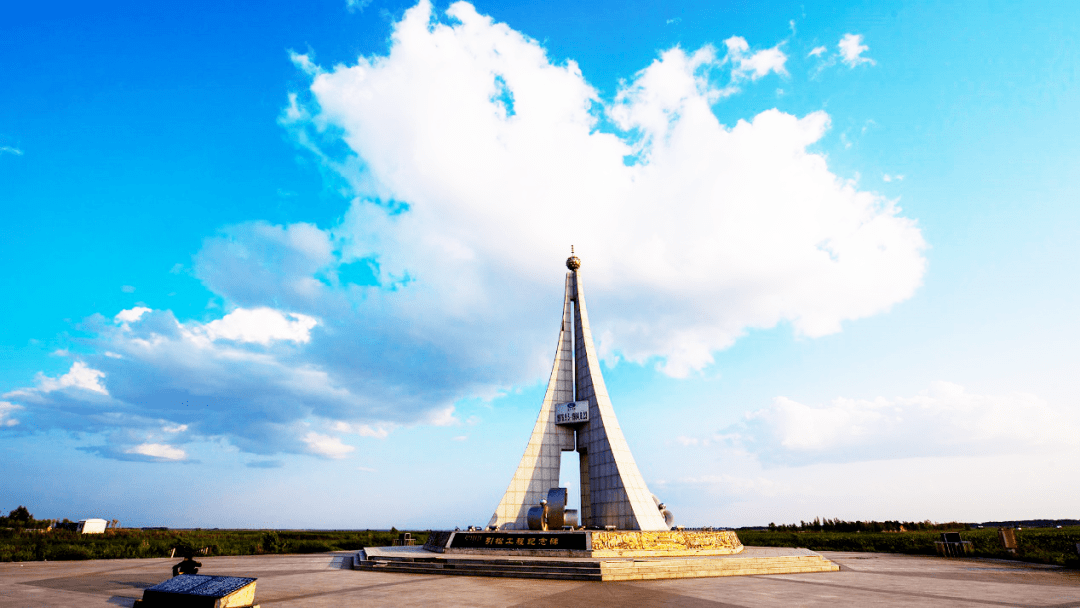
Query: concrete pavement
[[288, 581]]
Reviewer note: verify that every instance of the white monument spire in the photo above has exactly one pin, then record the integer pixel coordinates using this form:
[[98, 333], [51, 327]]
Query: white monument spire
[[613, 492]]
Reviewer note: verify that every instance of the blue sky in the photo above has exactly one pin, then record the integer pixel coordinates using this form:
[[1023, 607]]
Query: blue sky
[[308, 258]]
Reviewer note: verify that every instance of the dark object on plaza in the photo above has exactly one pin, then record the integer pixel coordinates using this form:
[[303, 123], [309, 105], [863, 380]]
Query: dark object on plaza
[[188, 566]]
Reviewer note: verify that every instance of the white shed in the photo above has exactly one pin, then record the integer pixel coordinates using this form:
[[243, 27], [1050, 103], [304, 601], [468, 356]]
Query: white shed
[[92, 526]]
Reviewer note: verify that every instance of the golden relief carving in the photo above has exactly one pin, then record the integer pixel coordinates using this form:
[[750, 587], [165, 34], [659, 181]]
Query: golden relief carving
[[717, 541]]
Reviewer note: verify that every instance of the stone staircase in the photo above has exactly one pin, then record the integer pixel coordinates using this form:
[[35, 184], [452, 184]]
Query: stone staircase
[[417, 561], [573, 570]]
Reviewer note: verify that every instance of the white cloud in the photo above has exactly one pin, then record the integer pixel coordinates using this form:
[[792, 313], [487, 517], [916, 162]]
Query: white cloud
[[6, 410], [852, 49], [817, 51], [325, 445], [131, 315], [80, 376], [361, 430], [158, 451], [305, 63], [10, 150], [475, 162], [461, 438], [754, 65], [889, 178], [174, 428], [744, 215], [945, 420], [260, 326]]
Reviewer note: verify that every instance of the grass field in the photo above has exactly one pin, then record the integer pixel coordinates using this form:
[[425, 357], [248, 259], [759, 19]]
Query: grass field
[[32, 545], [1042, 545]]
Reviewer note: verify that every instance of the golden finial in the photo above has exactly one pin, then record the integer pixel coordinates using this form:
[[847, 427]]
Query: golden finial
[[573, 262]]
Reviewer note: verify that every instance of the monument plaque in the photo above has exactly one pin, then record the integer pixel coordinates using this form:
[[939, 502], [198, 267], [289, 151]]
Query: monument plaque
[[200, 591], [566, 541], [574, 412]]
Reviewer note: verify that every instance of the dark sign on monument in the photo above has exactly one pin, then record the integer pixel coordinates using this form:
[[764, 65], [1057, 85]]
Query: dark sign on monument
[[523, 540]]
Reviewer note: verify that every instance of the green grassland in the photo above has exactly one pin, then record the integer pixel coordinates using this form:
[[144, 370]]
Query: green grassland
[[33, 545], [1041, 545]]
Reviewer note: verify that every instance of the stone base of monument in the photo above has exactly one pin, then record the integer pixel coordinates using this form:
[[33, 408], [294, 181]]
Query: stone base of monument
[[591, 555], [200, 591], [587, 543]]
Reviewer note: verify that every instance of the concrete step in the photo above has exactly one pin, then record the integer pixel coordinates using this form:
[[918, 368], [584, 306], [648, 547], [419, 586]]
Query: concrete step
[[591, 573], [585, 569], [595, 569]]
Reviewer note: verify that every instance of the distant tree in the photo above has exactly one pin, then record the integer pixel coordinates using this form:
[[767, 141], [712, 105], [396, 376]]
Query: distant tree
[[115, 524], [22, 515], [272, 542]]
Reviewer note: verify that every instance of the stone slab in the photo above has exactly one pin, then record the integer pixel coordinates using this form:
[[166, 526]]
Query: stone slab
[[751, 561], [200, 591]]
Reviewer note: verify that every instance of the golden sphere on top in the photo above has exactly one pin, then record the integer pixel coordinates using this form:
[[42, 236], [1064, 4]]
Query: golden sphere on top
[[573, 262]]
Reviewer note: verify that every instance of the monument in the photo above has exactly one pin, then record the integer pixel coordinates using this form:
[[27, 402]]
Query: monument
[[577, 415], [620, 519]]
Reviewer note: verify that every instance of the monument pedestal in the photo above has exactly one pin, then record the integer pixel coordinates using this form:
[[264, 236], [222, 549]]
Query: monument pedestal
[[749, 561], [587, 543]]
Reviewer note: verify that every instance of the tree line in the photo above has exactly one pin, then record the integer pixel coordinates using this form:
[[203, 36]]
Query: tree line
[[21, 518], [839, 525]]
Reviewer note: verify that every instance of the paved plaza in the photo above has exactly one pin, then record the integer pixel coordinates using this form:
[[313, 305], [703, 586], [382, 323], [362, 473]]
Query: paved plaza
[[324, 579]]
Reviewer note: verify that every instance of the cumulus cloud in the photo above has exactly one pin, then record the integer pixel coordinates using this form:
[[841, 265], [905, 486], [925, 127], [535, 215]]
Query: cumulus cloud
[[261, 326], [327, 446], [945, 420], [473, 161], [6, 410], [745, 215], [158, 451], [131, 314], [10, 150], [851, 50], [754, 65], [817, 51], [80, 376]]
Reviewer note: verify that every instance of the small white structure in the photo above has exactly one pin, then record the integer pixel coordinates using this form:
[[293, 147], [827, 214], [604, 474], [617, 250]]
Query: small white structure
[[92, 526]]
